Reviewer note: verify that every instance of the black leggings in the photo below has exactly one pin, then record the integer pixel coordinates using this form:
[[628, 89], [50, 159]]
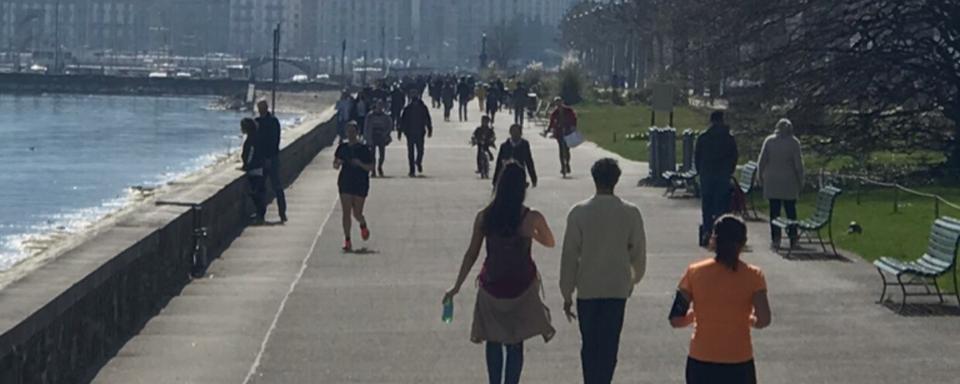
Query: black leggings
[[699, 372], [382, 149], [499, 372]]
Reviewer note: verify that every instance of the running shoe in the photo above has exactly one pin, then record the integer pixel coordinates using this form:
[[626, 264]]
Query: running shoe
[[365, 233], [347, 245]]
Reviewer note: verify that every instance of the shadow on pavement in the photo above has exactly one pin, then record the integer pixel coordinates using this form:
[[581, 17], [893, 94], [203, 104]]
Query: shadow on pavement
[[808, 254], [923, 309]]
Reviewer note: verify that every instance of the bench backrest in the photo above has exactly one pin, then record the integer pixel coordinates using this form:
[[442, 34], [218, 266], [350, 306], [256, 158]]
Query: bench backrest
[[941, 253], [826, 200], [747, 174]]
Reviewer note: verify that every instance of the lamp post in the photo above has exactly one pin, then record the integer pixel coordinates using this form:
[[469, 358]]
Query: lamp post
[[483, 51]]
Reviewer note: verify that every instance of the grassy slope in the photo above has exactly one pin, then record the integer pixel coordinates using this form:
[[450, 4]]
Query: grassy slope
[[600, 123], [902, 235]]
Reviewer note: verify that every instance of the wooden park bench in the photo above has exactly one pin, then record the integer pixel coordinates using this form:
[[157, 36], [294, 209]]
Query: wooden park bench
[[745, 181], [821, 219], [940, 259]]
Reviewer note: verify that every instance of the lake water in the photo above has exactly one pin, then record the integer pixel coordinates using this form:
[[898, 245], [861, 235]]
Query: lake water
[[66, 161]]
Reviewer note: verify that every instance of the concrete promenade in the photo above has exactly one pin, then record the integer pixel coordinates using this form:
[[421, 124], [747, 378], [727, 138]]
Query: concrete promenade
[[285, 305]]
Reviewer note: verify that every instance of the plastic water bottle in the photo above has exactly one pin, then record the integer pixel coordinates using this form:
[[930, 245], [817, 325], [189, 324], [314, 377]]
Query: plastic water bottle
[[447, 311]]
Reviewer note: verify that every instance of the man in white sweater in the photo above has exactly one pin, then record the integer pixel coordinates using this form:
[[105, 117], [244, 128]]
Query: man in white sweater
[[604, 256]]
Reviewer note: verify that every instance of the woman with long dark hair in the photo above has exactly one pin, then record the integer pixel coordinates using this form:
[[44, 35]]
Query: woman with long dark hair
[[728, 297], [354, 159], [509, 309]]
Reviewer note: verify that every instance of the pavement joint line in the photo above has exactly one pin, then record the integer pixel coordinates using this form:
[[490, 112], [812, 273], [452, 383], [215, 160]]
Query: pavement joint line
[[293, 286]]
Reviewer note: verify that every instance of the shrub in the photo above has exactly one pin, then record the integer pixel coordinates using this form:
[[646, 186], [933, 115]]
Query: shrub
[[572, 83]]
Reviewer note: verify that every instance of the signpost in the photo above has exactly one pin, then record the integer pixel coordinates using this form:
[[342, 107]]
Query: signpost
[[276, 66], [662, 101]]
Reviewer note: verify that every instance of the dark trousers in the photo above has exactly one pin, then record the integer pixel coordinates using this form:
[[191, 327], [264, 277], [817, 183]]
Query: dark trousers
[[379, 155], [791, 207], [699, 372], [518, 115], [271, 171], [714, 200], [463, 110], [497, 371], [601, 321], [564, 155], [415, 153], [258, 189], [446, 111]]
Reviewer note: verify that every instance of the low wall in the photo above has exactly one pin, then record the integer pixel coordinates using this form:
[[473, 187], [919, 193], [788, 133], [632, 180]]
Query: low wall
[[63, 321], [27, 83]]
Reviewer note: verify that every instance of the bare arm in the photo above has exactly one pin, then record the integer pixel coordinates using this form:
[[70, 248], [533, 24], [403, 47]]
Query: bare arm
[[541, 230], [469, 258], [762, 316]]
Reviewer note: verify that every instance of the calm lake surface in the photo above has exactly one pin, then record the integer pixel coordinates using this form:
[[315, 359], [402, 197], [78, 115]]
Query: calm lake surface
[[66, 161]]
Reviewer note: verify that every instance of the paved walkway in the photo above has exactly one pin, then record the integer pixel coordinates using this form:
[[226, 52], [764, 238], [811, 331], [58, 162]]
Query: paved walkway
[[285, 305]]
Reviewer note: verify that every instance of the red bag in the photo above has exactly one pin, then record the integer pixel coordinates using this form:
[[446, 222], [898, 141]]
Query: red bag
[[738, 201]]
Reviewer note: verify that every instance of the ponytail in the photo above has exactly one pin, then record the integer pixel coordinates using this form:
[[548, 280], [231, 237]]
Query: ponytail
[[730, 234]]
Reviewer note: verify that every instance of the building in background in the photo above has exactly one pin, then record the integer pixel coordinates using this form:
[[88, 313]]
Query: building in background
[[252, 23]]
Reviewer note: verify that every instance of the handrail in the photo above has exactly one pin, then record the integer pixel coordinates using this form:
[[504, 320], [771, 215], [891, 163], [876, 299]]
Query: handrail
[[866, 180]]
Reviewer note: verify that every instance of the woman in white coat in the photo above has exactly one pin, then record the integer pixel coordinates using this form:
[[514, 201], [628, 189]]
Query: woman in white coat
[[781, 175]]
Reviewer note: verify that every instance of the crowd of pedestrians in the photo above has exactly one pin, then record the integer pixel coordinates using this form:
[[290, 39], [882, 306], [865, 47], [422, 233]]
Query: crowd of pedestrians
[[604, 246]]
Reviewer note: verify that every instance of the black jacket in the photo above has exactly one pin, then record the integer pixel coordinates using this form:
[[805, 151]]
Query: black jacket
[[415, 120], [252, 159], [521, 154], [268, 136], [716, 152]]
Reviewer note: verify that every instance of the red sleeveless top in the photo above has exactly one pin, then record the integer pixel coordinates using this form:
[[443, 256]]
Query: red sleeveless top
[[508, 269]]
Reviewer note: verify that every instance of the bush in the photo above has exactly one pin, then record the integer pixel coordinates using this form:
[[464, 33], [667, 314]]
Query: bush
[[572, 84]]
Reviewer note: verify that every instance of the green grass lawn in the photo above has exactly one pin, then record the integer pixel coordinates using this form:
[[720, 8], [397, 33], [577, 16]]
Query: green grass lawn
[[902, 234], [608, 125]]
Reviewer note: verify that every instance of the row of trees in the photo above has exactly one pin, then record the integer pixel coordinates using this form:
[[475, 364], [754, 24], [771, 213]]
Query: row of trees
[[858, 75]]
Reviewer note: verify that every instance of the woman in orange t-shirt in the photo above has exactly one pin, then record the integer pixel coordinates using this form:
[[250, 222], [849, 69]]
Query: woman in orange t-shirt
[[728, 297]]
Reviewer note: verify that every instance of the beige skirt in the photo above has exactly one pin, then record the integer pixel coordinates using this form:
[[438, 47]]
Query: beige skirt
[[510, 321]]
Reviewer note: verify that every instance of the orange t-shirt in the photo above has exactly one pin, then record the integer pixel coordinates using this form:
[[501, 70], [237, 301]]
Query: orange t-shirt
[[722, 304]]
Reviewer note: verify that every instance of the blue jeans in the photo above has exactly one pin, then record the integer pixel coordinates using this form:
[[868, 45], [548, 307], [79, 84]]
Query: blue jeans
[[714, 200], [496, 370]]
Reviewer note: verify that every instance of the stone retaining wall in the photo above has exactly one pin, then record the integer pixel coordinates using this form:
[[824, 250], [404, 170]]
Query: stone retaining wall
[[62, 322]]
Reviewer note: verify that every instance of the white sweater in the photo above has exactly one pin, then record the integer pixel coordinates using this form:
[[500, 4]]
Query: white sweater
[[604, 249]]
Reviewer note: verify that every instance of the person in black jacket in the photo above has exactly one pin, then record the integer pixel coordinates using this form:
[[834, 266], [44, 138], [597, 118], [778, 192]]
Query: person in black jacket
[[253, 168], [464, 93], [415, 123], [268, 144], [397, 101], [715, 158], [516, 149]]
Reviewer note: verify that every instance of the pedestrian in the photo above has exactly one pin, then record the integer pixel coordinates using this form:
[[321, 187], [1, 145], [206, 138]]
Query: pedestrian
[[397, 101], [484, 138], [493, 105], [415, 123], [360, 109], [715, 159], [436, 90], [516, 149], [464, 93], [355, 162], [448, 94], [563, 121], [604, 257], [781, 174], [508, 309], [519, 103], [723, 297], [481, 93], [268, 143], [378, 129], [344, 109], [253, 169]]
